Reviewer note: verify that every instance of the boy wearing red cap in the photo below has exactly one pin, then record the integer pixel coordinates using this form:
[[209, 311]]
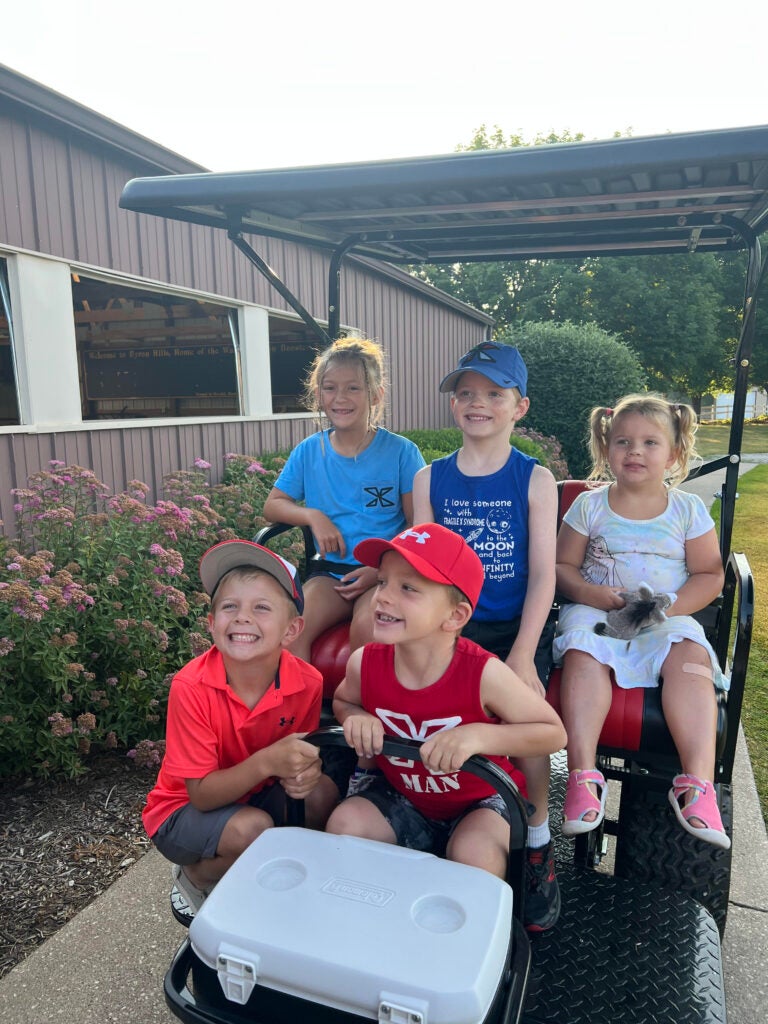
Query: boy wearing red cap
[[236, 718], [505, 505], [421, 679]]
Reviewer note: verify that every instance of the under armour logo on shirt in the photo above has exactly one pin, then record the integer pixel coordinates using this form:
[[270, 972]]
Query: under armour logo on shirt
[[421, 538], [287, 721]]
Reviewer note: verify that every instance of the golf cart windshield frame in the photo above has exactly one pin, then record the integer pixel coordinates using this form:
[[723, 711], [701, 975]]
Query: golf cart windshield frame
[[696, 192]]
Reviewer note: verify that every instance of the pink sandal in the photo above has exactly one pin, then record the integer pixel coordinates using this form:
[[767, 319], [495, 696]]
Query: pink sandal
[[702, 805], [580, 800]]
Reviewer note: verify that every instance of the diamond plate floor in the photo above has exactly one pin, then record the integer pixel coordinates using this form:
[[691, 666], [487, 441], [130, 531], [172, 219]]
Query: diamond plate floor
[[622, 950]]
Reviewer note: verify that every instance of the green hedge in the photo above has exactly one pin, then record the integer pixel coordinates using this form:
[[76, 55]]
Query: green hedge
[[571, 369]]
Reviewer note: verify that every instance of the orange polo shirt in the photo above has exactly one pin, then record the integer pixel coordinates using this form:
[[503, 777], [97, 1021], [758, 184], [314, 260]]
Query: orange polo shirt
[[209, 727]]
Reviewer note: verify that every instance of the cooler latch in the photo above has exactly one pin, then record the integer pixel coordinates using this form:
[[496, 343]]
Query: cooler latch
[[393, 1011], [237, 977]]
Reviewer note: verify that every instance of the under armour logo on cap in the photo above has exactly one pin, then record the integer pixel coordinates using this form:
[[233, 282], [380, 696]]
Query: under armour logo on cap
[[447, 558], [421, 538]]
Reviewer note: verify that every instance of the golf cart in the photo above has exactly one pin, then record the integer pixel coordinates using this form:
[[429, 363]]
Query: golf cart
[[642, 942]]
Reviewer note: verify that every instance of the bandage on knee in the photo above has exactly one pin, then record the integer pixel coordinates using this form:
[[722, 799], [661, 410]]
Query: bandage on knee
[[697, 670]]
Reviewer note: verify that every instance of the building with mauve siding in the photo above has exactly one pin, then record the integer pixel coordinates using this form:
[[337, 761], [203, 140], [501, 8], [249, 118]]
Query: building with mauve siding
[[131, 345]]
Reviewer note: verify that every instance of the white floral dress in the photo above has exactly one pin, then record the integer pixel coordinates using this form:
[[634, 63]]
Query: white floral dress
[[624, 553]]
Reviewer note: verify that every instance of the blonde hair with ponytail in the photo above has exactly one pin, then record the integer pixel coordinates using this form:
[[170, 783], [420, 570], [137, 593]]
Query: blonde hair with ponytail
[[677, 419]]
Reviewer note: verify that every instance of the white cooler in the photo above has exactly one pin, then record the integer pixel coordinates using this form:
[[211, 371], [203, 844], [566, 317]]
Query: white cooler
[[376, 930]]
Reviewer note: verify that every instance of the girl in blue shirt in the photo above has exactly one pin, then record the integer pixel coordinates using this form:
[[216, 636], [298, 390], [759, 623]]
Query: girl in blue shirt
[[348, 482]]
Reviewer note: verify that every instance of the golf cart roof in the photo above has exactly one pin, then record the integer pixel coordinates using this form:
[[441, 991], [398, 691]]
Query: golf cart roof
[[703, 191]]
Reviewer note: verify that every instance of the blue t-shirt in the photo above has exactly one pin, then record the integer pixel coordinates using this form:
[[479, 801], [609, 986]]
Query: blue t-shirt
[[361, 495], [491, 514]]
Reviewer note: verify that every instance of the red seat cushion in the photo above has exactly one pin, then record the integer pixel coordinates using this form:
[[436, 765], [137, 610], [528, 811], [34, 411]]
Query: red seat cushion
[[330, 653], [568, 491], [623, 726]]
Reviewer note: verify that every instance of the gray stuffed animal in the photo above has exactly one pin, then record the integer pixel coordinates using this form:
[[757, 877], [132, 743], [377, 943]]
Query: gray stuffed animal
[[642, 610]]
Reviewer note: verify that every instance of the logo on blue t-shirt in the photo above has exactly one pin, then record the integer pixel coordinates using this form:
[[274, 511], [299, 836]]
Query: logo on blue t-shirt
[[379, 497]]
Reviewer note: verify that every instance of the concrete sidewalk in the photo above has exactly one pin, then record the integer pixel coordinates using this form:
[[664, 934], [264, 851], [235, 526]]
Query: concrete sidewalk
[[745, 945]]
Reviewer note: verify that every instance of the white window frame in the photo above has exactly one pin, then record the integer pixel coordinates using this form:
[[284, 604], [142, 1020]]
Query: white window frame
[[48, 383]]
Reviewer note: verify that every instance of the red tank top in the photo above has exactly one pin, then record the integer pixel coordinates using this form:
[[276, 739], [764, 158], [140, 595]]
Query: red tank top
[[418, 714]]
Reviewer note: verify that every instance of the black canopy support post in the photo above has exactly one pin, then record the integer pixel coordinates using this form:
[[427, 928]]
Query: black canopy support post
[[266, 271], [334, 283], [743, 365]]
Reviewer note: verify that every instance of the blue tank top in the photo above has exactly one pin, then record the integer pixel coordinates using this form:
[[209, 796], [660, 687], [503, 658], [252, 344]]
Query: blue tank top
[[491, 514]]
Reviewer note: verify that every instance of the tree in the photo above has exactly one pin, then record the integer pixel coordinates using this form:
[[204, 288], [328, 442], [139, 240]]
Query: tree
[[669, 310], [733, 267]]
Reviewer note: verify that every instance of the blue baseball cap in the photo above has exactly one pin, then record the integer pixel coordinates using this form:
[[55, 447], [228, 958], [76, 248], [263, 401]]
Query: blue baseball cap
[[501, 364]]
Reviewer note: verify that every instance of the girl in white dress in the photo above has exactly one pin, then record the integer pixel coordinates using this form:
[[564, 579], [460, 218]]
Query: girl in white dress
[[639, 528]]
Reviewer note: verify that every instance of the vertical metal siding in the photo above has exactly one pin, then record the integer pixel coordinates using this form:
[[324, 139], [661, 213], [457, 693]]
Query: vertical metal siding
[[138, 453], [17, 184], [59, 196]]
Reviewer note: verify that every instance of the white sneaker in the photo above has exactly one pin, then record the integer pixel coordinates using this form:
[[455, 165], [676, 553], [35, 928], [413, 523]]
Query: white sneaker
[[180, 908], [192, 895]]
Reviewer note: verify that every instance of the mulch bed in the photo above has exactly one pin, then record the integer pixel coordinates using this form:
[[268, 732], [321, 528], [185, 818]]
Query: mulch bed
[[62, 843]]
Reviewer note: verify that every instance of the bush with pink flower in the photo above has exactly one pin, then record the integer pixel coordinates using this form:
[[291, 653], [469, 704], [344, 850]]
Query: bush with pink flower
[[100, 604]]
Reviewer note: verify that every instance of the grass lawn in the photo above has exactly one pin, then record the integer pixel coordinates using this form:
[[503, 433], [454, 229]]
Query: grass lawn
[[750, 535], [712, 439]]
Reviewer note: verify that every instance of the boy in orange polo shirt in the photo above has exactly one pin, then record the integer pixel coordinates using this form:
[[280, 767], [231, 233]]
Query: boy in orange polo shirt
[[236, 720]]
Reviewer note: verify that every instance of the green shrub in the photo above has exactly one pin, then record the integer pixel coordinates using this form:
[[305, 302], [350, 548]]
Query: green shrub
[[571, 369], [98, 609], [441, 442]]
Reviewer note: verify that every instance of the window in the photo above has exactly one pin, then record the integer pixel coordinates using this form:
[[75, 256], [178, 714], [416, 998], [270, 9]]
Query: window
[[9, 399], [144, 353], [292, 349]]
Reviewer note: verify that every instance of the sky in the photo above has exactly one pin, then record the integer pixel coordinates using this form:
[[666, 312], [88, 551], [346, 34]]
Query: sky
[[245, 84]]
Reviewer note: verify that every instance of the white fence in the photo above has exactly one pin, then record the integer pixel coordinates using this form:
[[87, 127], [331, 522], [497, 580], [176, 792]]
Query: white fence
[[722, 407]]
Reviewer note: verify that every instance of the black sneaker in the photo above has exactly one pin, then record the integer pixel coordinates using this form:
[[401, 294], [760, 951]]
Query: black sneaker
[[542, 893]]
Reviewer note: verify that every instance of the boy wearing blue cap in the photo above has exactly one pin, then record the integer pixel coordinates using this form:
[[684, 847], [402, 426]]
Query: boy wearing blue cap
[[504, 504], [236, 720]]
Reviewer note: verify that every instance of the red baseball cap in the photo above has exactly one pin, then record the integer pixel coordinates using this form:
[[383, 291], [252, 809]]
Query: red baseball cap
[[435, 552]]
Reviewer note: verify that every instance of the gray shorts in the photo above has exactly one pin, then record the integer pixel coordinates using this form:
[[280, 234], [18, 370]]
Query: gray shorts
[[189, 835], [412, 829], [498, 637]]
